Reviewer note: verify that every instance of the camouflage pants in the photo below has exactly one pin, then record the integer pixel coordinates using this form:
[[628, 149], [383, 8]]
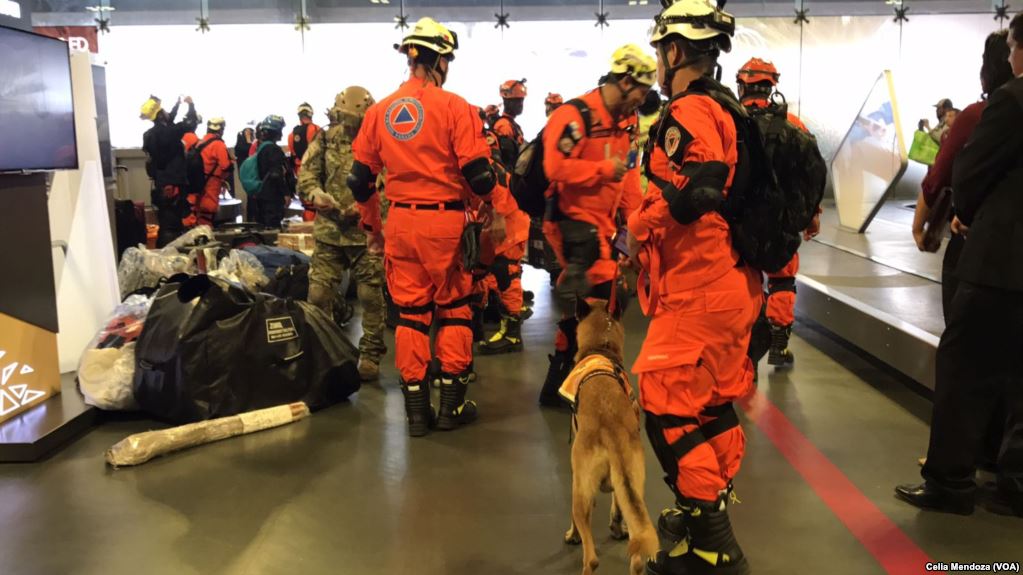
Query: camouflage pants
[[325, 273]]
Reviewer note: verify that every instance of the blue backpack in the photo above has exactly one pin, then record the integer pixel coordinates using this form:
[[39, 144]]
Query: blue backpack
[[248, 173]]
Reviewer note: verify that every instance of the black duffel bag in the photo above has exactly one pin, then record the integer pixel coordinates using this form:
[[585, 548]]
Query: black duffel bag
[[210, 349]]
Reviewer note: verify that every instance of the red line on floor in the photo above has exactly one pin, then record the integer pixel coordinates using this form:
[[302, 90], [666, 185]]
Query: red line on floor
[[892, 548]]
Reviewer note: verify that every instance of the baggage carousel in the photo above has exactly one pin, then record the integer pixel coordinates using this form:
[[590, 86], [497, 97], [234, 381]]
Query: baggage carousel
[[875, 290]]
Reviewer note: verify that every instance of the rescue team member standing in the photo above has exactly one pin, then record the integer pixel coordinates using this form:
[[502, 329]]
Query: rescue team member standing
[[165, 164], [278, 180], [340, 241], [703, 302], [592, 181], [501, 262], [509, 133], [298, 142], [218, 168], [431, 144], [757, 81]]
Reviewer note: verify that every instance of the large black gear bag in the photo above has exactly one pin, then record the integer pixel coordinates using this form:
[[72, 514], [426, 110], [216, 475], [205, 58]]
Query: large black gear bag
[[211, 349]]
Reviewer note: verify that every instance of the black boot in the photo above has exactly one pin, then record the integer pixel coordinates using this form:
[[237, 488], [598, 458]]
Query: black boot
[[779, 354], [671, 525], [561, 366], [709, 549], [562, 363], [507, 340], [418, 410], [455, 411]]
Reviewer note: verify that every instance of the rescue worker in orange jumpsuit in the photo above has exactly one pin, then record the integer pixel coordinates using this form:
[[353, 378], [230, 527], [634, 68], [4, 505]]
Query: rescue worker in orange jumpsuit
[[218, 168], [701, 299], [431, 143], [298, 143], [552, 102], [508, 131], [757, 81], [590, 160], [500, 269]]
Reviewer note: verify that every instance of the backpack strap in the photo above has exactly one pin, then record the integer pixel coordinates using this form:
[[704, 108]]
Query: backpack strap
[[584, 111]]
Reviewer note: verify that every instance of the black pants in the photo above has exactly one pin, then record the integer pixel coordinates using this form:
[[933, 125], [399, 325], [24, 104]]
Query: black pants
[[988, 456], [979, 366], [269, 208]]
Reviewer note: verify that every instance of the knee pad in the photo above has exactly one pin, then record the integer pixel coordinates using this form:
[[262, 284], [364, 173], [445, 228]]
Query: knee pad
[[669, 454]]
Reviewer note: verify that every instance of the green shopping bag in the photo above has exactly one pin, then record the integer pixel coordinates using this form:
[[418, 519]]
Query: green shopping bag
[[924, 148]]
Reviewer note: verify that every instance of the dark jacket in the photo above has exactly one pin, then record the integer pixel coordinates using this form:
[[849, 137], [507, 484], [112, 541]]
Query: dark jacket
[[987, 183], [165, 153], [278, 180]]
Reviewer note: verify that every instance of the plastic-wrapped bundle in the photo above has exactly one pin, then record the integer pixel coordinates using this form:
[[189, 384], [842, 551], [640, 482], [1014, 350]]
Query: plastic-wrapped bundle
[[107, 368], [192, 237], [244, 268]]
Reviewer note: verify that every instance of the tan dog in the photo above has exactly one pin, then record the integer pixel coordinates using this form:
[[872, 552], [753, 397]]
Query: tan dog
[[608, 452]]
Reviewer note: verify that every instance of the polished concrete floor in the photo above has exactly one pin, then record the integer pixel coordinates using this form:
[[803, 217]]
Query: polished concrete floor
[[347, 492]]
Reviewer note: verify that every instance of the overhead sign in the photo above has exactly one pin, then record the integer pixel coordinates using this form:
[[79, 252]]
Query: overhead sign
[[79, 38]]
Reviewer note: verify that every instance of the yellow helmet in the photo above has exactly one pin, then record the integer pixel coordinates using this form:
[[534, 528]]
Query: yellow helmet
[[632, 61], [216, 125], [694, 20], [150, 109], [431, 34], [350, 105]]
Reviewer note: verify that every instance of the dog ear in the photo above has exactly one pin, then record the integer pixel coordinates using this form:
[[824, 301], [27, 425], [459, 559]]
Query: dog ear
[[582, 308]]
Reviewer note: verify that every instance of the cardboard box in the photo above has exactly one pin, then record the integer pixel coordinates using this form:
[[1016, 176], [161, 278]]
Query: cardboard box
[[29, 373], [299, 242]]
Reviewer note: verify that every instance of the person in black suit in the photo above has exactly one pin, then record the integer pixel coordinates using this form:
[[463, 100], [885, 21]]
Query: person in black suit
[[980, 357]]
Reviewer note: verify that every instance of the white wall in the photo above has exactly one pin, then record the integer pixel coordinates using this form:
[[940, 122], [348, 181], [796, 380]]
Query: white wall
[[246, 72]]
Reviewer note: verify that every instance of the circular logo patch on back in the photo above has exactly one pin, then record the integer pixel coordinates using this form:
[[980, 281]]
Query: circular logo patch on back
[[672, 138], [404, 119]]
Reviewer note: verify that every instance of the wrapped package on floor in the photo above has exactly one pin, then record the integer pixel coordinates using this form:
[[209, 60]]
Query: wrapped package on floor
[[211, 349], [141, 447], [107, 368]]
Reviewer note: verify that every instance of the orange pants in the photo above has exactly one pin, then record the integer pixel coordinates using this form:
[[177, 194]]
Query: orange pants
[[207, 205], [601, 271], [693, 365], [781, 294], [422, 263], [504, 276]]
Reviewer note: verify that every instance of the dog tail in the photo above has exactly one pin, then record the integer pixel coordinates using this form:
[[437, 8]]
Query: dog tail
[[628, 473]]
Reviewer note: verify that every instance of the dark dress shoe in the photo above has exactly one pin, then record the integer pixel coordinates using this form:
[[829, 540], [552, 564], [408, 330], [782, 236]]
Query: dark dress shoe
[[926, 496]]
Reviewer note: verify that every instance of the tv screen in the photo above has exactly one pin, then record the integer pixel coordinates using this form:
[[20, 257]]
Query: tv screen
[[37, 121]]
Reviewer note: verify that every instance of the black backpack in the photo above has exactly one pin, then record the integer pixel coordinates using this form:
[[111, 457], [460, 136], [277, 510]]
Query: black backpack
[[778, 185], [301, 142], [529, 182], [196, 167]]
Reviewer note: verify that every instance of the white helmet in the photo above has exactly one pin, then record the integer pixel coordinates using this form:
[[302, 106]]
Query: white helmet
[[694, 20], [433, 35]]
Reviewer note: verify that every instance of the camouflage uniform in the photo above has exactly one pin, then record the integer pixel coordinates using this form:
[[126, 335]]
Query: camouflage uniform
[[340, 242]]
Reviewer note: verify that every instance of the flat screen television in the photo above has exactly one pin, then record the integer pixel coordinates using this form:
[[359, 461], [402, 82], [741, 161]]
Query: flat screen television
[[37, 119]]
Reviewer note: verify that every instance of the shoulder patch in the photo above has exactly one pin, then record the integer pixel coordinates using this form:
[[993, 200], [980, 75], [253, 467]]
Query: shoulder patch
[[674, 139], [404, 119]]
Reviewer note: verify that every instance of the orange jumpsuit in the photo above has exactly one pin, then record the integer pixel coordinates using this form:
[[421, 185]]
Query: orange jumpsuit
[[503, 261], [582, 178], [781, 285], [693, 362], [581, 171], [424, 136], [217, 165]]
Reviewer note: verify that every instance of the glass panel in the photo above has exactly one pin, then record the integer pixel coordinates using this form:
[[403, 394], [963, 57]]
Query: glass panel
[[871, 158]]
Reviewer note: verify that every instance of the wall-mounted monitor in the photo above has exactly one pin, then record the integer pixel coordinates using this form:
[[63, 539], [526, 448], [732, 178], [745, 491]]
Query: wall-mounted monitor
[[37, 119]]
